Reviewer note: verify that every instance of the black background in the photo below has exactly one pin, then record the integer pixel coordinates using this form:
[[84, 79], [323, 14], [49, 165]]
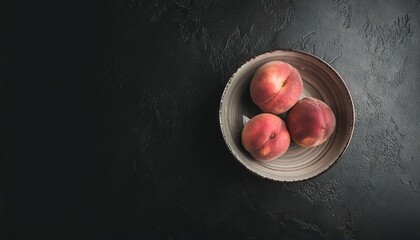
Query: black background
[[109, 120]]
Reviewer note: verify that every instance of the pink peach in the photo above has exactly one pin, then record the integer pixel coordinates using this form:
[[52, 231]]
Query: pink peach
[[275, 87], [310, 122], [265, 137]]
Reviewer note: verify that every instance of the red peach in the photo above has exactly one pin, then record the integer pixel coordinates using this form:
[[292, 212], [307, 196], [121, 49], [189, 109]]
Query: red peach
[[276, 87], [265, 137], [310, 122]]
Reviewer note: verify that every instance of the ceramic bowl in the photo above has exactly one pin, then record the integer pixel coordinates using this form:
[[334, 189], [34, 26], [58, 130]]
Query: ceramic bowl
[[321, 81]]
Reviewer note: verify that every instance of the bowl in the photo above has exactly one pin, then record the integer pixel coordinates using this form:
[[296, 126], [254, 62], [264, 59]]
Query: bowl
[[320, 81]]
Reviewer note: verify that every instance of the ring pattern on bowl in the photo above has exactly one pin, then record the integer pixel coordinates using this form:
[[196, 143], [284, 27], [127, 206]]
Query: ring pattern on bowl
[[320, 81]]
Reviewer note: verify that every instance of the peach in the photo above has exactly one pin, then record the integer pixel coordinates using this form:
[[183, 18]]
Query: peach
[[310, 122], [265, 137], [275, 87]]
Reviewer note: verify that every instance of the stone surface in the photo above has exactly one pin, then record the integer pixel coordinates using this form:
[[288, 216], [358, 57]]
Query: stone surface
[[109, 120]]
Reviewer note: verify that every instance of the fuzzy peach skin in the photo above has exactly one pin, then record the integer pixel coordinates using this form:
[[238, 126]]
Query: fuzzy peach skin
[[275, 87], [310, 122], [265, 137]]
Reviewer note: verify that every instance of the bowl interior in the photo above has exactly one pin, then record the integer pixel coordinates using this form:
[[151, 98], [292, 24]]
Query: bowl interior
[[320, 81]]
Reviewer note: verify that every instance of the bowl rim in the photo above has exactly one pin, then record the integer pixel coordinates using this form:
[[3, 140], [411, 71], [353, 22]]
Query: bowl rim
[[353, 112]]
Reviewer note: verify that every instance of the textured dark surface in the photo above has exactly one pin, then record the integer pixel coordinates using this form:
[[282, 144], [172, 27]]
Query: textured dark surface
[[109, 115]]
